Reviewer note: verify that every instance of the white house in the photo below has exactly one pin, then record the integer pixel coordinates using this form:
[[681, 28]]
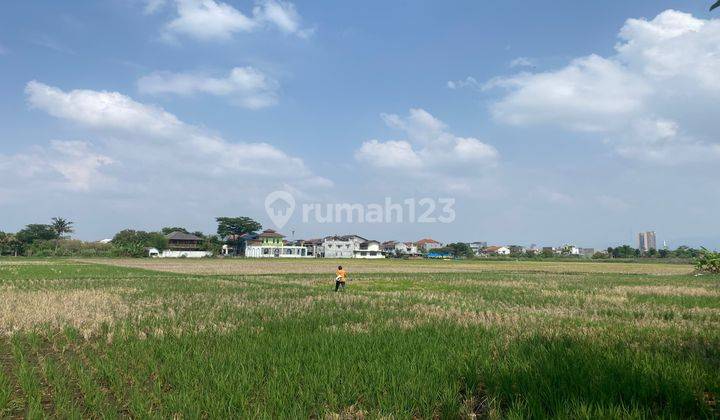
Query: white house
[[477, 247], [496, 250], [395, 249], [351, 246], [428, 244], [368, 249], [181, 245]]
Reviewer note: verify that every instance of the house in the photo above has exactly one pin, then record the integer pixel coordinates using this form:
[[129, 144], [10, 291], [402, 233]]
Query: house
[[477, 247], [570, 250], [399, 249], [270, 244], [235, 244], [388, 248], [351, 246], [428, 244], [496, 250], [181, 245], [587, 252], [368, 249], [341, 246], [406, 249], [314, 248]]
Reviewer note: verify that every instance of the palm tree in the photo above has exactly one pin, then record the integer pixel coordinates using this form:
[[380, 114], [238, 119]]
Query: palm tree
[[715, 5], [61, 226]]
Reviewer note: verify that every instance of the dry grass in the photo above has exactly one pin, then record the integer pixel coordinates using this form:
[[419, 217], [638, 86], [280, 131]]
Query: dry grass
[[240, 266], [84, 310]]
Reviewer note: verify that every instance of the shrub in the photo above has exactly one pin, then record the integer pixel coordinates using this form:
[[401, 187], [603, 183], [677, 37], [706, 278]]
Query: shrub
[[708, 262]]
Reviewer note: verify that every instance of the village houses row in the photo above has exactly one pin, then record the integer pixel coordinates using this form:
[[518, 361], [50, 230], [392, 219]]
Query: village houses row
[[272, 244]]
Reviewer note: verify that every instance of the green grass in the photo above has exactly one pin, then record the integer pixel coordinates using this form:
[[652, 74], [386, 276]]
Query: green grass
[[102, 341]]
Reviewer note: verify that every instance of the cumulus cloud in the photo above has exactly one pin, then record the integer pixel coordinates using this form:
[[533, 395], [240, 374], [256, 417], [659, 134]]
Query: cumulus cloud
[[71, 165], [651, 100], [145, 139], [245, 86], [208, 20], [429, 150]]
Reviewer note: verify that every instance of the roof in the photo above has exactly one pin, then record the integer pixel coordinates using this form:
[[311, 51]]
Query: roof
[[427, 241], [344, 237], [182, 236], [493, 248], [269, 233]]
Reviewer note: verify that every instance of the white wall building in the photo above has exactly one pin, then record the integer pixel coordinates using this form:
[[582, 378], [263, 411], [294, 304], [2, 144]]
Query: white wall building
[[155, 253], [351, 246], [270, 244]]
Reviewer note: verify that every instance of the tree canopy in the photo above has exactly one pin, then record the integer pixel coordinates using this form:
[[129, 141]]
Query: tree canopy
[[61, 226], [133, 242], [236, 226], [36, 232], [168, 230]]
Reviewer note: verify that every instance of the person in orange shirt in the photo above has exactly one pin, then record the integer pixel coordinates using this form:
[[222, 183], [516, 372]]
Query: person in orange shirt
[[340, 278]]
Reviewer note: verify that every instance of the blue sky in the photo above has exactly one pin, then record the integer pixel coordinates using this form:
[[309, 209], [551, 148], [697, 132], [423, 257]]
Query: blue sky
[[549, 123]]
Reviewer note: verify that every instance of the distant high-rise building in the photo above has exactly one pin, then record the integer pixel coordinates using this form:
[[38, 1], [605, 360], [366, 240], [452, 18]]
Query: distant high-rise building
[[646, 241]]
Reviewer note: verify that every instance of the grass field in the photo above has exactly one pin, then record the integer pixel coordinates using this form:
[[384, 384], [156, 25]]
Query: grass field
[[423, 339]]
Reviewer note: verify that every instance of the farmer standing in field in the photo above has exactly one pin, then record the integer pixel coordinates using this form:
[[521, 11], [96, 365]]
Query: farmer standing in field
[[340, 278]]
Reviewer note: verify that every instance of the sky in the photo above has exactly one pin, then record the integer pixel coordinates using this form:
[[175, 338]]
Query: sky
[[547, 123]]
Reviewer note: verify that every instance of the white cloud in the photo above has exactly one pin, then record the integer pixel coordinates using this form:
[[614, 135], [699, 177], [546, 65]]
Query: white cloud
[[389, 154], [246, 86], [283, 15], [651, 101], [207, 20], [430, 150], [153, 6], [521, 62], [145, 139], [71, 165], [590, 94], [469, 82]]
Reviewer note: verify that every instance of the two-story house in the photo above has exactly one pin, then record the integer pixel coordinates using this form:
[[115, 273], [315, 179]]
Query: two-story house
[[271, 244]]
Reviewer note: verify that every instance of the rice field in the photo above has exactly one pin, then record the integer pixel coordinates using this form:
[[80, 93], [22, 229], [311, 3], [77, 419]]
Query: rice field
[[406, 339]]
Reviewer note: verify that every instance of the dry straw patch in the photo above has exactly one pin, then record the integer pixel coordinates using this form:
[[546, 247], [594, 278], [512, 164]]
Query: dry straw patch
[[85, 310], [240, 266], [25, 262], [667, 291]]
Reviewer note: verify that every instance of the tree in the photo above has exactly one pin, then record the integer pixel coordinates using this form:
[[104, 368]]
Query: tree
[[715, 5], [228, 226], [133, 243], [61, 226], [36, 232], [547, 253], [169, 230], [9, 244], [460, 250]]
